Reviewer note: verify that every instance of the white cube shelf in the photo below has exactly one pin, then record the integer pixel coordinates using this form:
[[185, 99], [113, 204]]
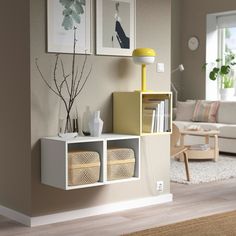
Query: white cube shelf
[[54, 157]]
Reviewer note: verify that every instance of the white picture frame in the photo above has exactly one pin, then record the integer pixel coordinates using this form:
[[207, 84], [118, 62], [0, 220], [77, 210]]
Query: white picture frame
[[61, 40], [111, 19]]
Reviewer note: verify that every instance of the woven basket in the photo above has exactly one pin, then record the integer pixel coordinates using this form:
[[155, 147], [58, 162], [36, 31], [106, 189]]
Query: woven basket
[[83, 167], [120, 163]]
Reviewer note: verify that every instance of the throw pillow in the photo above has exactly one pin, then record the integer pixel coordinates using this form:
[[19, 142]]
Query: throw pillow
[[205, 111], [185, 110]]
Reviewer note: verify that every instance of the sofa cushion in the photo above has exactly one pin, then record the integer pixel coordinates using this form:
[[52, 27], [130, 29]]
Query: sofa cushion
[[205, 111], [185, 110], [227, 112], [227, 131]]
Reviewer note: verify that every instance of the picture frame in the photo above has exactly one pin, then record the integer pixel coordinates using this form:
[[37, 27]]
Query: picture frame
[[115, 27], [62, 17]]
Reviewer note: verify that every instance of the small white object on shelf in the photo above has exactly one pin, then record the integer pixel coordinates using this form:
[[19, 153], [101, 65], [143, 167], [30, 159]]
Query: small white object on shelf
[[96, 125], [68, 135]]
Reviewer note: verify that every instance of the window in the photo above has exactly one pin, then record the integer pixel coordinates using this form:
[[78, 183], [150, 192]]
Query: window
[[227, 51], [227, 42], [221, 44]]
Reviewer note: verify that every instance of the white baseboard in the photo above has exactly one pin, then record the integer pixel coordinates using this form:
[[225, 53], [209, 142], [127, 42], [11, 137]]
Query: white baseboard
[[15, 215], [77, 214]]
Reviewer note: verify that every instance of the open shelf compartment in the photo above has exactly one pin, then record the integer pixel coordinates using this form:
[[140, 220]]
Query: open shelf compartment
[[130, 144], [129, 117], [87, 146]]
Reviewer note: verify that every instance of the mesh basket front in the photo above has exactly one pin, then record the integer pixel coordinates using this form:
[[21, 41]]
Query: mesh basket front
[[83, 167], [83, 176], [121, 163]]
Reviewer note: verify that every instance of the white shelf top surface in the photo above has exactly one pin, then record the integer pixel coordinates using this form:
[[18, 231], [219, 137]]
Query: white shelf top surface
[[108, 136]]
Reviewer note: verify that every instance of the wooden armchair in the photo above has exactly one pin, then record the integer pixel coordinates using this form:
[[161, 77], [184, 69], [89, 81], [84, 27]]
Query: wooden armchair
[[177, 150]]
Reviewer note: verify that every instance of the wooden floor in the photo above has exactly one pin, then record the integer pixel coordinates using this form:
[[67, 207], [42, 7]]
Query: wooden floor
[[190, 201]]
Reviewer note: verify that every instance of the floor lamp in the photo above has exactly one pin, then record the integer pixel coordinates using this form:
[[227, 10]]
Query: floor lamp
[[173, 88]]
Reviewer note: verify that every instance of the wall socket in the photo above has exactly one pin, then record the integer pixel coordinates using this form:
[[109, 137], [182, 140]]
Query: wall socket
[[160, 186]]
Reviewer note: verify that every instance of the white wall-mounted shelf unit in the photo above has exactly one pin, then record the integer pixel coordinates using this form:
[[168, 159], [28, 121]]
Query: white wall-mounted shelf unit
[[54, 157]]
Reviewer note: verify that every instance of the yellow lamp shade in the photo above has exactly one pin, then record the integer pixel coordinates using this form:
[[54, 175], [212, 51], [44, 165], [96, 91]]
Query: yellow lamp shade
[[144, 52], [144, 56]]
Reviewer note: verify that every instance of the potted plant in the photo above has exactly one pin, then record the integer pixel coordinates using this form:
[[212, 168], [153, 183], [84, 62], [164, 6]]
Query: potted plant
[[224, 71]]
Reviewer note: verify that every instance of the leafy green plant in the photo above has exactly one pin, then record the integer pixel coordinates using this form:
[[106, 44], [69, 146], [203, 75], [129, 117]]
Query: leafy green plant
[[223, 70], [72, 12]]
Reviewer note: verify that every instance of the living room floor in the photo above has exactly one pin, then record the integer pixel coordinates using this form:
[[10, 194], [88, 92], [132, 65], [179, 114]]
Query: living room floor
[[190, 201]]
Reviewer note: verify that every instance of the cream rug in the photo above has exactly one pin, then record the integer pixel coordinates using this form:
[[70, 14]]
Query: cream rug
[[203, 171]]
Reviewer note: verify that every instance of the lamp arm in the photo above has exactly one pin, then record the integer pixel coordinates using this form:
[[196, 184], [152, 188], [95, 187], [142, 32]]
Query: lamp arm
[[173, 87], [175, 70], [180, 68]]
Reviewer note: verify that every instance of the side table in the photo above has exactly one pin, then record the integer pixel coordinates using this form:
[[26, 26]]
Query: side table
[[211, 153]]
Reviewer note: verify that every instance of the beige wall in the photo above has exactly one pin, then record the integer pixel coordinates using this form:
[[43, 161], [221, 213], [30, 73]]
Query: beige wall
[[176, 77], [15, 106], [193, 22], [109, 74]]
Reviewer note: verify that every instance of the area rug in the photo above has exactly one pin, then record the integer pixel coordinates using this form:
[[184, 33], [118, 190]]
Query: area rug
[[203, 171], [215, 225]]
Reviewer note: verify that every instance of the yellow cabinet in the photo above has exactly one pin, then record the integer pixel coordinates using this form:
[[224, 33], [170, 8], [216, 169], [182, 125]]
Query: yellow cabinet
[[142, 113]]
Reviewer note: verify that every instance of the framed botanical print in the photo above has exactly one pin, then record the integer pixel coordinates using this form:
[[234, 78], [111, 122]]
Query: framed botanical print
[[62, 17], [115, 23]]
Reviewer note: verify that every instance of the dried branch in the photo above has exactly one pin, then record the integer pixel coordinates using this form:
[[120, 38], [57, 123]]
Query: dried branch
[[84, 82], [63, 81], [76, 74], [54, 74], [73, 87], [49, 86], [65, 77], [73, 65], [81, 74]]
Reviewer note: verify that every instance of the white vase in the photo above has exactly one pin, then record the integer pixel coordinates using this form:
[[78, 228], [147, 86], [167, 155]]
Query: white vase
[[85, 121], [227, 94], [96, 124]]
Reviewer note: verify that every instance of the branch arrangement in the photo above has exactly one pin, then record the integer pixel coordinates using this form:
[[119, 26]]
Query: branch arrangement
[[67, 85]]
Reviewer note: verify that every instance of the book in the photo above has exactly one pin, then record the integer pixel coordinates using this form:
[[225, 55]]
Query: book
[[148, 120], [154, 105], [161, 116], [167, 114], [157, 115], [162, 110]]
